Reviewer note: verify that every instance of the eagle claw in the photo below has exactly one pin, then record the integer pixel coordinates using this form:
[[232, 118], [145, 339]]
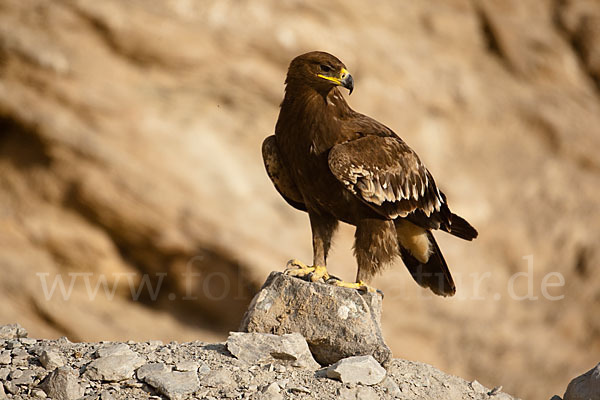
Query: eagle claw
[[369, 289], [312, 274], [360, 286]]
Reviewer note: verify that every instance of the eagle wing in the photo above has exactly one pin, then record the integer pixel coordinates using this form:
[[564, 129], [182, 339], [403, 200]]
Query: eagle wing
[[279, 175], [388, 176]]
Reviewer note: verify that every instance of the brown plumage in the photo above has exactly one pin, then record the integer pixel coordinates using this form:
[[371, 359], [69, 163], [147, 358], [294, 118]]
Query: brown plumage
[[339, 165]]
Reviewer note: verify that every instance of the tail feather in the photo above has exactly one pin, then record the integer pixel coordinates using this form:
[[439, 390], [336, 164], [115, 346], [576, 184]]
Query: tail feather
[[434, 274], [459, 227]]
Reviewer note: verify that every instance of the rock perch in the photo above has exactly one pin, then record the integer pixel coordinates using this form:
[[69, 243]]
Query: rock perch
[[336, 322]]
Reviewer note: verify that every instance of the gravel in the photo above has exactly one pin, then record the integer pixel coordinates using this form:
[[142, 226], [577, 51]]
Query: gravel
[[198, 370]]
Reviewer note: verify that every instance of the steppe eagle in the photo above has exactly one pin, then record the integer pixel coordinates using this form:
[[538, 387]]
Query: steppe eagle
[[339, 165]]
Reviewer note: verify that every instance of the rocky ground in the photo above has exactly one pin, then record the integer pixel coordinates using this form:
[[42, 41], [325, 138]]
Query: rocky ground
[[62, 370], [341, 356]]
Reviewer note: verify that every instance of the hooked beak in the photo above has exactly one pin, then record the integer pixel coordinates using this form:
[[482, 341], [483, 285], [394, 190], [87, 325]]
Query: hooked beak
[[347, 81], [344, 80]]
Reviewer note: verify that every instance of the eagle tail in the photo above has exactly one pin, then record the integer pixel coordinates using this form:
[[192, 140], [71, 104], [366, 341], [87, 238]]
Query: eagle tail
[[460, 228], [434, 274]]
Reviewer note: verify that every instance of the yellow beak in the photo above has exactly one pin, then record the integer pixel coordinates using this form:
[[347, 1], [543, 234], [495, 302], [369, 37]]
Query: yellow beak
[[344, 80]]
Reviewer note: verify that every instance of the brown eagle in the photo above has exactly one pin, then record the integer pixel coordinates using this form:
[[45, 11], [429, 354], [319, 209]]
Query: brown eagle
[[340, 165]]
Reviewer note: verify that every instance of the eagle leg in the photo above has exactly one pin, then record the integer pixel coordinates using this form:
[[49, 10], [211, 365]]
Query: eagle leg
[[311, 273]]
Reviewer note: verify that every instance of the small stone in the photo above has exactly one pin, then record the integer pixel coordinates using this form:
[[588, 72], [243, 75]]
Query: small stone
[[20, 353], [133, 383], [63, 340], [12, 331], [175, 385], [262, 347], [391, 387], [24, 378], [366, 393], [50, 359], [187, 366], [5, 357], [151, 368], [13, 344], [584, 387], [38, 394], [204, 369], [299, 389], [114, 350], [282, 383], [61, 384], [272, 388], [11, 387], [15, 374], [218, 378], [2, 392], [271, 392], [346, 393], [4, 373], [358, 369], [20, 362], [154, 344], [28, 341], [117, 366]]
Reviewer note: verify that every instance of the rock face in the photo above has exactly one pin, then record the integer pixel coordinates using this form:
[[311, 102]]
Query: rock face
[[336, 322], [208, 371], [585, 387]]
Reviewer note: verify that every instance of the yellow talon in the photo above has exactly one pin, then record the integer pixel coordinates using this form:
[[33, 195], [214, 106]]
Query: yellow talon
[[360, 285], [299, 269], [320, 272]]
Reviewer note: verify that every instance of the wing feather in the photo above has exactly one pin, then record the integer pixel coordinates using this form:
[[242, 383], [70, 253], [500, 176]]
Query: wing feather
[[387, 175]]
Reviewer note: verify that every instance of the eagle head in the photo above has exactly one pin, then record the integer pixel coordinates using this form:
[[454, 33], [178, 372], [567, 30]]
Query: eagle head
[[322, 71]]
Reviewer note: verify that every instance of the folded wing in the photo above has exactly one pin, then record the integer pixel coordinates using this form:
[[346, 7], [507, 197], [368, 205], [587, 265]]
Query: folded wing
[[279, 175], [387, 175]]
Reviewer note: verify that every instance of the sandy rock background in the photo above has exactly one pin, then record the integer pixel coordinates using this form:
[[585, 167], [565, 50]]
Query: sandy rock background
[[130, 137]]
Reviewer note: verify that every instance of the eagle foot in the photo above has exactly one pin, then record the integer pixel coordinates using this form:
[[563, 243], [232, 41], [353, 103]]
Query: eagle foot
[[310, 273], [360, 286]]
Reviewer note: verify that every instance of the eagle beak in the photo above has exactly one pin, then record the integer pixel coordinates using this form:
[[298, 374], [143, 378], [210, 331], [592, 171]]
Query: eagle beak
[[346, 80]]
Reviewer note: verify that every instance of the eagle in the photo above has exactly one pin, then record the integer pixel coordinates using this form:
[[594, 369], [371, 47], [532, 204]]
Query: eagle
[[339, 165]]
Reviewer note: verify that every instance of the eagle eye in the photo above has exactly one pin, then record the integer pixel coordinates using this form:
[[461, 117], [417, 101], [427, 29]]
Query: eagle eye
[[325, 68]]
